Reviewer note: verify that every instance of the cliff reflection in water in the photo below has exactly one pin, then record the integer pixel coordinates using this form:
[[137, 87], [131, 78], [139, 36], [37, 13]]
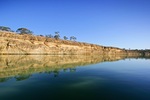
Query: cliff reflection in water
[[21, 67]]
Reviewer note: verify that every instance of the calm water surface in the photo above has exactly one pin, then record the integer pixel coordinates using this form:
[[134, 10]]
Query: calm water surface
[[40, 79]]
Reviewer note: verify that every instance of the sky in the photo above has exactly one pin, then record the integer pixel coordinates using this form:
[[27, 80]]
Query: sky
[[116, 23]]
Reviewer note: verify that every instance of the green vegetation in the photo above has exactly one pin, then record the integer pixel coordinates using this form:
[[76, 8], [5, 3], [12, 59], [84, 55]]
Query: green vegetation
[[56, 36], [73, 38], [4, 79], [4, 28], [65, 38], [24, 31], [49, 36], [22, 77]]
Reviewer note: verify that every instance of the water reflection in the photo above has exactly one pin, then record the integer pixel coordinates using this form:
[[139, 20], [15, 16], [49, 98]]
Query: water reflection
[[21, 67], [42, 77]]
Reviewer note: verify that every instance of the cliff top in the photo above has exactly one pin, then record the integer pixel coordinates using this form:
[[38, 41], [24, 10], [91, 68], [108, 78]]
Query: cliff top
[[33, 38]]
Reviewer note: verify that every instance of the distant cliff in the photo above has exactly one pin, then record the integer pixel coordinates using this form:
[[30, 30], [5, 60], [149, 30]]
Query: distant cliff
[[12, 43]]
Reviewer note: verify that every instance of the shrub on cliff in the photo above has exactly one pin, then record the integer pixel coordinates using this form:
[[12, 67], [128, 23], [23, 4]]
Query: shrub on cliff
[[73, 38], [57, 36], [49, 36], [4, 28], [24, 31], [65, 38]]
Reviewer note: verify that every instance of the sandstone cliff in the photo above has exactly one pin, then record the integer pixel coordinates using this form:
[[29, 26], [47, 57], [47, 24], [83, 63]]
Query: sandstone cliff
[[12, 43]]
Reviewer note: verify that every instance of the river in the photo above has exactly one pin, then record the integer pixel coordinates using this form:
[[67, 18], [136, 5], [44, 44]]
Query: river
[[47, 77]]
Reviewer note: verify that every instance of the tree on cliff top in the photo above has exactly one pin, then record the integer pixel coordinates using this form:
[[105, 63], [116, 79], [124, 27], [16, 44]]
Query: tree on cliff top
[[57, 36], [24, 31], [65, 38], [4, 28], [49, 36], [73, 38]]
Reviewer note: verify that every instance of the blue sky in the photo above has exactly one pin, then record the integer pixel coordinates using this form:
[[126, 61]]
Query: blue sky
[[118, 23]]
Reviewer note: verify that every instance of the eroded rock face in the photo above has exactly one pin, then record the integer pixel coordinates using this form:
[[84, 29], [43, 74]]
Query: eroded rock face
[[12, 43]]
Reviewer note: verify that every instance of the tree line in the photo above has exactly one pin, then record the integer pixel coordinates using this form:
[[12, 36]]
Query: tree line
[[27, 31]]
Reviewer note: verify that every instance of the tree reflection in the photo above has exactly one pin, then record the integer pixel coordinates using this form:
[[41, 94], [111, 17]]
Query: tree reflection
[[72, 69], [65, 69], [22, 77], [4, 79], [21, 67], [56, 73]]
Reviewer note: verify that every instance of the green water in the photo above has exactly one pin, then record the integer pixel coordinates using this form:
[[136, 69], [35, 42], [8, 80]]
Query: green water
[[74, 78]]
